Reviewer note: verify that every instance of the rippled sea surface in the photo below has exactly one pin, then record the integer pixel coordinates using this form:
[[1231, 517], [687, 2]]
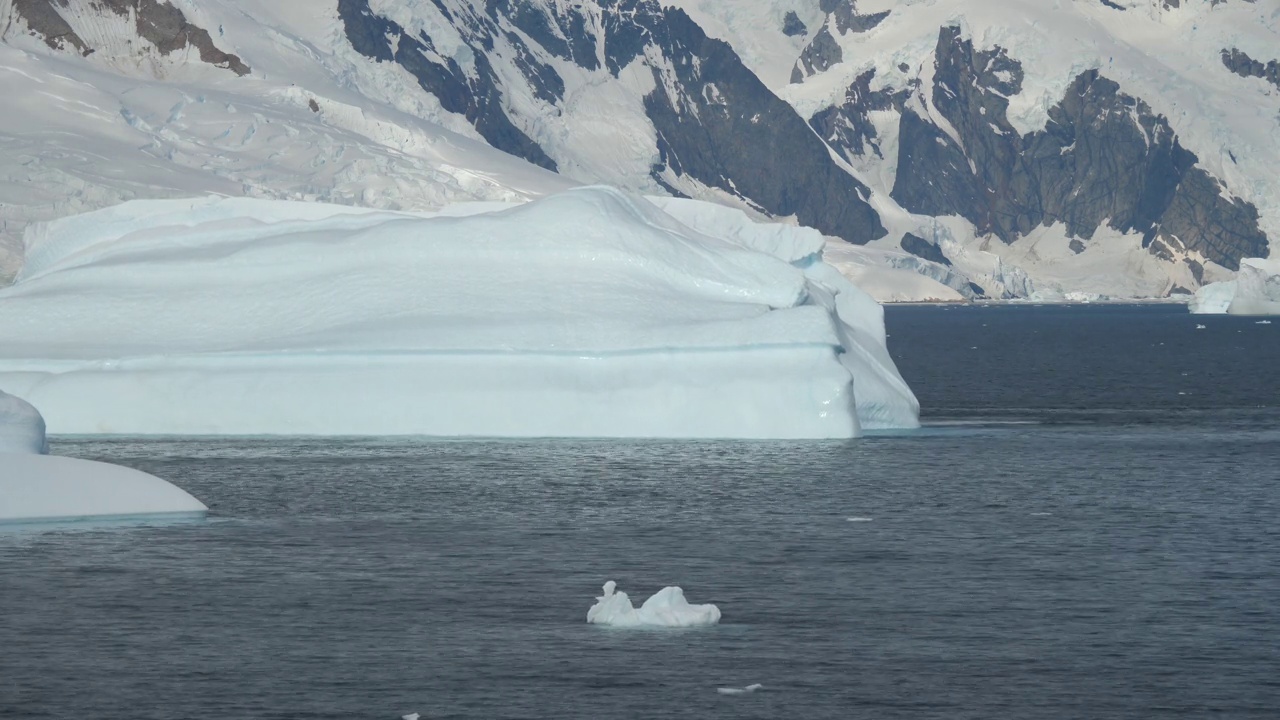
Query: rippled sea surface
[[1087, 527]]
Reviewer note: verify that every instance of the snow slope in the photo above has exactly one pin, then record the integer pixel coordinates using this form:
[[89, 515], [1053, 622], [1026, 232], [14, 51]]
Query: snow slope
[[86, 133], [587, 313], [315, 119]]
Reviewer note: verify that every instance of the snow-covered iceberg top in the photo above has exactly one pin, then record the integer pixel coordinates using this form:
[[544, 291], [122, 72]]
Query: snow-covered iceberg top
[[36, 486], [1255, 291], [21, 427], [665, 608], [588, 313]]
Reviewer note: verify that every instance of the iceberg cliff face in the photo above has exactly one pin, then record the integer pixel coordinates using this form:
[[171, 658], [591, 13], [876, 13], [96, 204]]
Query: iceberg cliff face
[[589, 313], [1255, 291]]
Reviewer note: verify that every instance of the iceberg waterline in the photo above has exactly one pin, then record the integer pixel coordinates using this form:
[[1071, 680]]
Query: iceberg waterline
[[588, 313]]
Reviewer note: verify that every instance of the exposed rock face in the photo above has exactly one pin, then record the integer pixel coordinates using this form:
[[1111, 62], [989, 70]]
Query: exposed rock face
[[475, 96], [160, 23], [792, 25], [44, 20], [922, 248], [714, 120], [1103, 157], [1244, 66], [820, 54], [848, 127], [729, 131], [823, 51]]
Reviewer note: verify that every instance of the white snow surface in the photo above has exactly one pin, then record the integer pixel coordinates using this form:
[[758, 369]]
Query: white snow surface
[[1255, 291], [591, 312], [665, 608], [49, 487], [22, 428]]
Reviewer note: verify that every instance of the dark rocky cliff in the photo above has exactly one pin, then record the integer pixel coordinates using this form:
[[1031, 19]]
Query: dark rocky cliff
[[1103, 157], [715, 121], [162, 24]]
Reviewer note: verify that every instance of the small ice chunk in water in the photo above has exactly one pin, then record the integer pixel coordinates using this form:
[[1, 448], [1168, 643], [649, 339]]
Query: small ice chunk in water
[[410, 716], [860, 519], [740, 691], [666, 608]]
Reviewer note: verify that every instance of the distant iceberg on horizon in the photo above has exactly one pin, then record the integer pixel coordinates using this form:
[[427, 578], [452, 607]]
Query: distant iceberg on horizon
[[590, 313], [38, 487]]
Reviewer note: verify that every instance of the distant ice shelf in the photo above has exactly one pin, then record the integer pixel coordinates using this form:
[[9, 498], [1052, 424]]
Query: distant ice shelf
[[665, 608], [588, 313]]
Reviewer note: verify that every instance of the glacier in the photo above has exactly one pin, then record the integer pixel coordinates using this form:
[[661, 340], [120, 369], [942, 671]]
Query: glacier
[[588, 313], [665, 608], [37, 487], [1255, 291]]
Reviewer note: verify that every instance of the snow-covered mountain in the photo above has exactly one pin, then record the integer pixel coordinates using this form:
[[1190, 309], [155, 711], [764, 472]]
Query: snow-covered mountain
[[1032, 148]]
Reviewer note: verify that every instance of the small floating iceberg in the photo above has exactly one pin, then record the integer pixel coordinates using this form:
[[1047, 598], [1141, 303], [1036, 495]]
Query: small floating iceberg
[[666, 608], [740, 691], [37, 487]]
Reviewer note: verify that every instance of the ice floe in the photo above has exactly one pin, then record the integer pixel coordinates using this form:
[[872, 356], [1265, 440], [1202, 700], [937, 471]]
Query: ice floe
[[35, 486], [666, 608], [740, 691]]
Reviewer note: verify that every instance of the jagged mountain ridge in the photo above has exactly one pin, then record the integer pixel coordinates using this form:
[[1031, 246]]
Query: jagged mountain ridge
[[869, 145]]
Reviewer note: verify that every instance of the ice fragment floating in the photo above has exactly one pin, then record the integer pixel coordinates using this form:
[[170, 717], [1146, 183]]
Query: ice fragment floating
[[35, 486], [666, 608]]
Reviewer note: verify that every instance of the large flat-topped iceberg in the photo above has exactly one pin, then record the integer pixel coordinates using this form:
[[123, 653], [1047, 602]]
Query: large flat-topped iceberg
[[588, 313]]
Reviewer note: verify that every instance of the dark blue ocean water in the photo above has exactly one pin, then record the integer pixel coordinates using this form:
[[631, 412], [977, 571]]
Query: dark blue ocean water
[[1086, 528]]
